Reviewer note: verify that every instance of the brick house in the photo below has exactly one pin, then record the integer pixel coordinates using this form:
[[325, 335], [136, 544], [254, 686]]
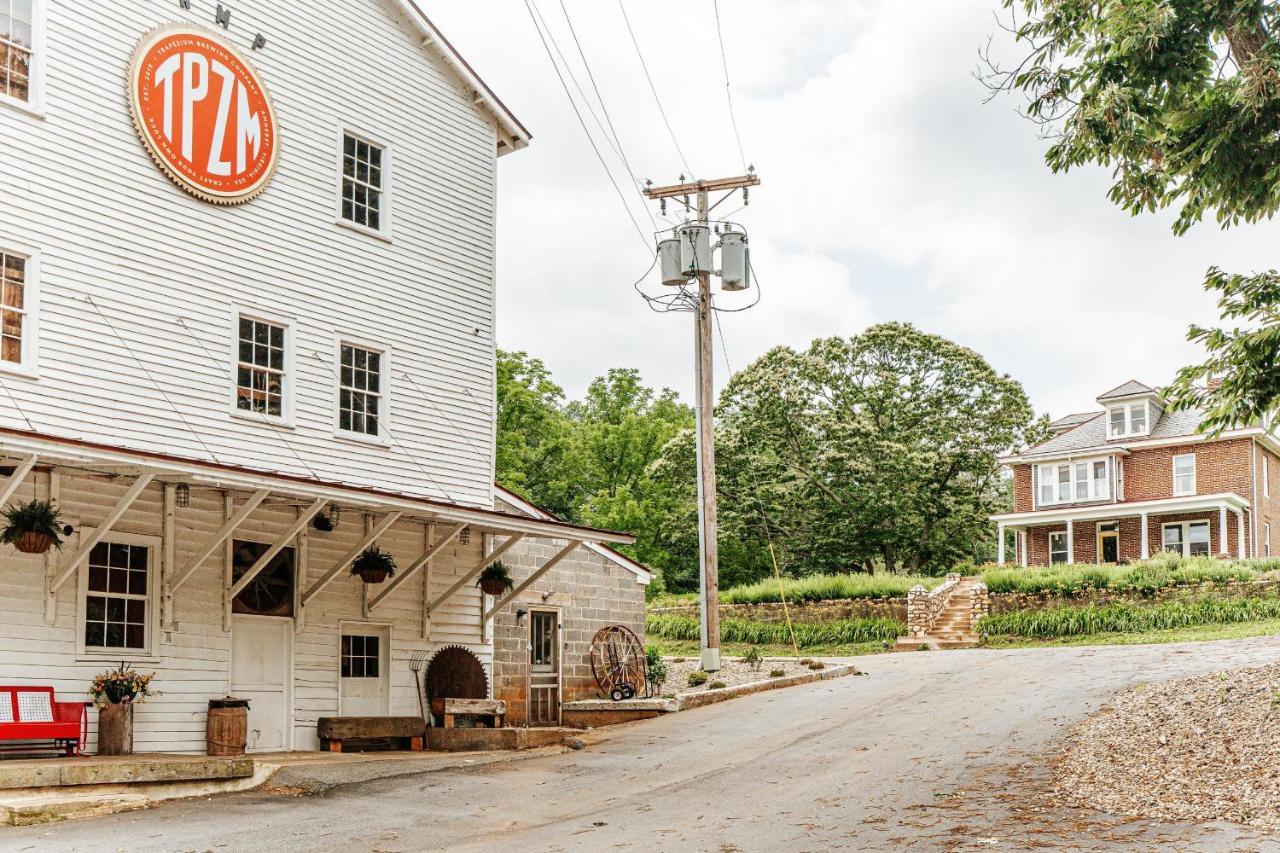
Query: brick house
[[1134, 478]]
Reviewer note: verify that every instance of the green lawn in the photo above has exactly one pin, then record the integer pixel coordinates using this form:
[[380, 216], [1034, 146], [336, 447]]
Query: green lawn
[[1195, 633]]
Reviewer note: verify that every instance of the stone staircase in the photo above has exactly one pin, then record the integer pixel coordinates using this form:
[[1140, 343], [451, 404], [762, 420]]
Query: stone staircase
[[953, 615]]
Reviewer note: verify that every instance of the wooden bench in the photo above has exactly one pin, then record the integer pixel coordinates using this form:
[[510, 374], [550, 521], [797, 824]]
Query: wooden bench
[[30, 713], [410, 732], [490, 713]]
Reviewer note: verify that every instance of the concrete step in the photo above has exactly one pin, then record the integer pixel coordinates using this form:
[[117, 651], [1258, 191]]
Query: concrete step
[[19, 810], [122, 769]]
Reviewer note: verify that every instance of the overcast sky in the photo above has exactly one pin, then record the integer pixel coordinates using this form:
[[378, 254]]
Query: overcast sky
[[890, 192]]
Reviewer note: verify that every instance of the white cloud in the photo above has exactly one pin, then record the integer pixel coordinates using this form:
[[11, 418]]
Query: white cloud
[[891, 192]]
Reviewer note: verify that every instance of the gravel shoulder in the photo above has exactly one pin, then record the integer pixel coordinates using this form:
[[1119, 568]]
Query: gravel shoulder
[[733, 672]]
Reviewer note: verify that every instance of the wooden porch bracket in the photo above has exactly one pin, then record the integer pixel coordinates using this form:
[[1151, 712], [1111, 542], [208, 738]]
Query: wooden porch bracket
[[539, 572], [121, 507], [373, 536], [475, 571], [303, 519], [15, 479], [211, 545], [404, 575]]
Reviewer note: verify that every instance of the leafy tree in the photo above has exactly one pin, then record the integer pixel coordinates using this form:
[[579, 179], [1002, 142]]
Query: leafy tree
[[1181, 98], [533, 434], [878, 449]]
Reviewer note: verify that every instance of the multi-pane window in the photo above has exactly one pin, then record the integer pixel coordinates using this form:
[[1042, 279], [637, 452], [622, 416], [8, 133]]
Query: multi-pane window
[[1058, 547], [1127, 419], [1068, 482], [1188, 538], [1184, 474], [17, 46], [362, 182], [360, 656], [115, 604], [13, 302], [260, 368], [360, 390]]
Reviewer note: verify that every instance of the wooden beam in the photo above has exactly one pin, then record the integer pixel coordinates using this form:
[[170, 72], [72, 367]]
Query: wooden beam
[[324, 580], [691, 187], [539, 572], [404, 574], [15, 479], [475, 570], [303, 519], [121, 507], [211, 545]]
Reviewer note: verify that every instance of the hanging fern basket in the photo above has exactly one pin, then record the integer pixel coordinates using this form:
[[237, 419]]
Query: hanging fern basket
[[33, 542], [372, 574], [493, 586]]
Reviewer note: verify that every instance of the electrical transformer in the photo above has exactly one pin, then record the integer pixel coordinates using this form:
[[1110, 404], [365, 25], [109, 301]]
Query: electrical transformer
[[735, 261], [669, 259], [695, 248]]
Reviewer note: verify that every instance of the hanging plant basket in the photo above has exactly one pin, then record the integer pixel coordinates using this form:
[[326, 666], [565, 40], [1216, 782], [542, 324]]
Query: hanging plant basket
[[33, 542], [373, 565], [495, 580], [33, 527]]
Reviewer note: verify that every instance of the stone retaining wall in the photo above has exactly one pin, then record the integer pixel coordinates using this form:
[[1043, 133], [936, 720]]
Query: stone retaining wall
[[804, 611], [1005, 602]]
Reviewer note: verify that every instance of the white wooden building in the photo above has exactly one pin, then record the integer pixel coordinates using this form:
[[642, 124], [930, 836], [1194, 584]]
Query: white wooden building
[[201, 355]]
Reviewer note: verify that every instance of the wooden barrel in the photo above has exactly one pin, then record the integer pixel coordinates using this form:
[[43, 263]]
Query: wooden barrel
[[227, 729], [115, 729]]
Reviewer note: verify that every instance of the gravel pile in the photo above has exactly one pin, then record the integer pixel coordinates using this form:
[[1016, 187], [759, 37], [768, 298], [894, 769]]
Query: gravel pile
[[733, 672], [1197, 749]]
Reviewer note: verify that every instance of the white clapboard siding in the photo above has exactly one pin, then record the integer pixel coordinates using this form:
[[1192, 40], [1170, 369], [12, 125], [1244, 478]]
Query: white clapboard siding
[[80, 189], [192, 662]]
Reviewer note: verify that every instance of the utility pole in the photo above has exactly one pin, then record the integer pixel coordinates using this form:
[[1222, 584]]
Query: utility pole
[[708, 556]]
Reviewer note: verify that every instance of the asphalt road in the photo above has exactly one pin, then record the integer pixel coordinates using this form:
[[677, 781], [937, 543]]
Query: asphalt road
[[927, 751]]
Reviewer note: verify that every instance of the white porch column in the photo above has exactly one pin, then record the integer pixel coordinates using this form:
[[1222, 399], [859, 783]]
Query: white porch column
[[1071, 541], [1000, 543], [1146, 546], [1023, 543], [1222, 531], [1240, 534]]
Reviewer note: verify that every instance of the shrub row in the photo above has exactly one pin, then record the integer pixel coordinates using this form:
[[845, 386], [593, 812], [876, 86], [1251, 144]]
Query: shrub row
[[1124, 617], [808, 634], [1161, 571], [815, 588]]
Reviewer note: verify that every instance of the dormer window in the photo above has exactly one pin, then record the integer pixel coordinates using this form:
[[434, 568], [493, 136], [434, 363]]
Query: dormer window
[[1128, 419]]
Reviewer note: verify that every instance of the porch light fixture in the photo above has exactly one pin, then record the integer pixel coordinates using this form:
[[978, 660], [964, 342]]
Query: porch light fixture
[[464, 536], [520, 614], [182, 495], [335, 515]]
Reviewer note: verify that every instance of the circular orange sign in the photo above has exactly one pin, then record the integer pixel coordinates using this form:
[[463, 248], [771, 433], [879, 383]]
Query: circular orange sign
[[203, 113]]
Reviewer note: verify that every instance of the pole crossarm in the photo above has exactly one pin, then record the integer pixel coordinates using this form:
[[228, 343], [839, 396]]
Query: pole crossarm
[[539, 572], [121, 507], [211, 545], [711, 186], [475, 570], [302, 521], [323, 581], [15, 479], [404, 575]]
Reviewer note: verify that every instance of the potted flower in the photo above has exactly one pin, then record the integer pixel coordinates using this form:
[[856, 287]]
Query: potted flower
[[115, 692], [33, 527], [373, 565], [495, 580]]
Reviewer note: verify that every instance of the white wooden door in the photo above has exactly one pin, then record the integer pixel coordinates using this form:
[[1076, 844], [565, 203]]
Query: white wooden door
[[363, 658], [261, 658]]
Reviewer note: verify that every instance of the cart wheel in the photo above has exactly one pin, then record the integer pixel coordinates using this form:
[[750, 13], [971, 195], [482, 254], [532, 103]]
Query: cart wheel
[[628, 692], [616, 694]]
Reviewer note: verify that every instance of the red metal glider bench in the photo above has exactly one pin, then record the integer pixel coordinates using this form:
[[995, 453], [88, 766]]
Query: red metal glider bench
[[30, 714]]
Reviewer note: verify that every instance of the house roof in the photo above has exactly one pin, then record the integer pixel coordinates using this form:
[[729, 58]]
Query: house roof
[[1066, 422], [514, 135], [1128, 389], [1092, 433], [642, 572]]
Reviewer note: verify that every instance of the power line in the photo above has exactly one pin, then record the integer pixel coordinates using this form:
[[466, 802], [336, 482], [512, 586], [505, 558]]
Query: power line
[[654, 89], [728, 92], [533, 16]]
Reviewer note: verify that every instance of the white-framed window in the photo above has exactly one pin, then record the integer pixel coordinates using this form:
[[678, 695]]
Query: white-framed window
[[19, 300], [1188, 538], [1058, 547], [364, 183], [361, 655], [263, 361], [1128, 419], [1068, 482], [362, 391], [22, 54], [1184, 474], [1266, 539], [117, 590]]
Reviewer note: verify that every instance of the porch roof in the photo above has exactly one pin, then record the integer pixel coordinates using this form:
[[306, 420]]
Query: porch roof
[[1162, 506], [107, 460]]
